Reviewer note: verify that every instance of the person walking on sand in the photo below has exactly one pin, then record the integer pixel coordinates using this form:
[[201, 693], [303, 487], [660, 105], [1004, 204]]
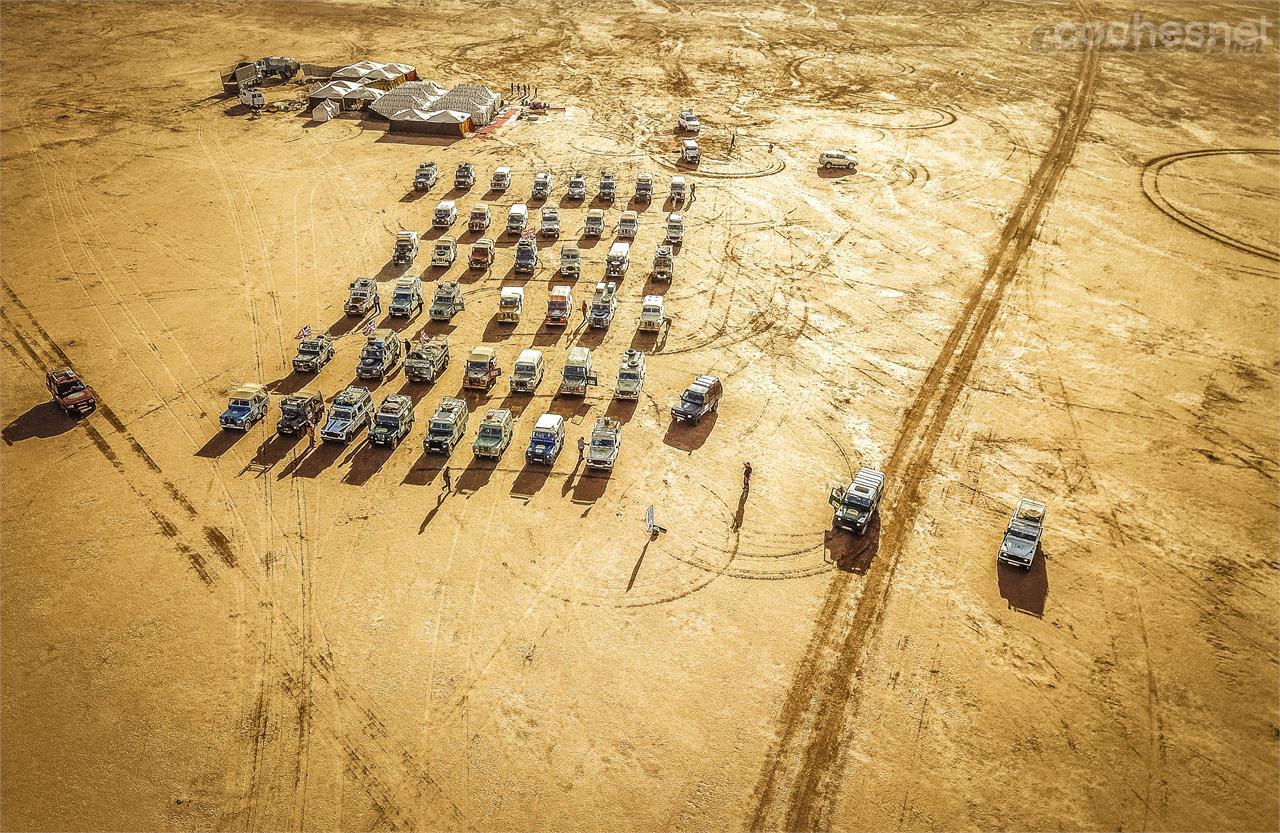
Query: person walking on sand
[[746, 476], [448, 479], [693, 192], [582, 448], [377, 303], [584, 310]]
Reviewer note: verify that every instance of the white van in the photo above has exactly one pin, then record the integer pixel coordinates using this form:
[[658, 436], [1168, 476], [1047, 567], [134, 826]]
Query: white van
[[501, 179], [675, 228], [517, 218], [528, 371], [618, 260]]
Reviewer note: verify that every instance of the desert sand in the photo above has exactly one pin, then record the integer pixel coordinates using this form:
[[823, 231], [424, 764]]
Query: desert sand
[[1054, 275]]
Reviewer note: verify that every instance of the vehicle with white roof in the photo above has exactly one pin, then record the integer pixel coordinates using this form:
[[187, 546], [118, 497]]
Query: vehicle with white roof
[[494, 434], [445, 215], [501, 180], [570, 261], [644, 187], [688, 122], [517, 218], [652, 313], [577, 375], [604, 303], [838, 159], [546, 441], [550, 226], [629, 224], [510, 304], [528, 372], [679, 189], [618, 260], [559, 306], [690, 153], [856, 503], [406, 297], [406, 248], [444, 252], [593, 226], [675, 229], [541, 185]]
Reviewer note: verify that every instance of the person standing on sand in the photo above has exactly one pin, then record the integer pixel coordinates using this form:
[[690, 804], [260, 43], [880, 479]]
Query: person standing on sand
[[582, 448], [693, 192], [746, 477], [311, 434], [448, 479]]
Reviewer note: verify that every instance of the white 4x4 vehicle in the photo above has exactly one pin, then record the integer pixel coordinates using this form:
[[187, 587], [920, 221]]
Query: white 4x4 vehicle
[[838, 159]]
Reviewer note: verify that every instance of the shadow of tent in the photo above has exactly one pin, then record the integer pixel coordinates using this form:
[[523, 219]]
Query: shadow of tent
[[1025, 590], [39, 422]]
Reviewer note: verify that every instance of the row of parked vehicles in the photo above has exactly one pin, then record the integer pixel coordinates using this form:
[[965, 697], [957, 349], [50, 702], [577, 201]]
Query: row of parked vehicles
[[464, 178]]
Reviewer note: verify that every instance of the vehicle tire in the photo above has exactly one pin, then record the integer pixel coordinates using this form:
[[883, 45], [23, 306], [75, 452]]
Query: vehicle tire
[[826, 165]]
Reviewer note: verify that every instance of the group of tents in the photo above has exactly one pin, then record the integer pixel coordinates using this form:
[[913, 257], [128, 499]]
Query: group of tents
[[394, 92]]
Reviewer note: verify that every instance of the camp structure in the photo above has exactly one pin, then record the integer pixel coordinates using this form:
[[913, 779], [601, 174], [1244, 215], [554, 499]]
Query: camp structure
[[376, 75], [347, 94], [431, 122], [411, 95], [476, 100]]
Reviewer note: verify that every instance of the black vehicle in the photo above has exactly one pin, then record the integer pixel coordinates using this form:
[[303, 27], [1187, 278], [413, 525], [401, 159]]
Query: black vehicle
[[393, 421], [698, 400], [380, 354], [299, 409], [526, 255], [313, 353], [447, 427]]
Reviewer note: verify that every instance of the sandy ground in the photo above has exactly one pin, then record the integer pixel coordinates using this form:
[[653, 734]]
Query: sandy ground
[[1055, 276]]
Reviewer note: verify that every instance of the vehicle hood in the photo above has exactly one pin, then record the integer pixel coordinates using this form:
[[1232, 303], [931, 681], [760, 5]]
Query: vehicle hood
[[78, 397], [336, 425], [235, 412], [1017, 547], [686, 408]]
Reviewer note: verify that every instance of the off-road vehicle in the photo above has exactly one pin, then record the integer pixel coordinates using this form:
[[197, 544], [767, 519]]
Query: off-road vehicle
[[406, 297], [546, 441], [426, 360], [297, 410], [314, 352], [494, 434], [856, 503], [699, 399], [447, 301], [361, 296], [446, 428], [352, 410], [393, 421], [247, 404], [382, 351], [69, 392]]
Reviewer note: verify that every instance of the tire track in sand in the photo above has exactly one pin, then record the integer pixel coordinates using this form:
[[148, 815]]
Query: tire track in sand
[[796, 786]]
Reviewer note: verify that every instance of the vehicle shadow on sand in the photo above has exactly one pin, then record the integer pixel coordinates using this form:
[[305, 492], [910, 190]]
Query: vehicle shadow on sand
[[688, 437], [852, 553], [39, 422], [220, 443], [1025, 590], [311, 462]]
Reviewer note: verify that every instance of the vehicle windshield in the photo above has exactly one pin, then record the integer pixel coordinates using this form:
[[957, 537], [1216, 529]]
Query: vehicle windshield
[[292, 408], [308, 348], [65, 388], [693, 397], [1025, 536], [491, 432], [402, 297], [599, 308], [524, 370], [602, 442], [629, 376], [545, 436], [556, 306], [359, 296], [440, 429], [389, 420], [651, 312], [371, 355], [239, 404], [340, 412], [855, 501], [509, 302], [478, 367], [575, 372]]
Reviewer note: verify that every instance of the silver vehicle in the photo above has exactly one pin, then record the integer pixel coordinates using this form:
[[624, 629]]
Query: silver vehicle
[[465, 176], [444, 252], [679, 189], [652, 313], [644, 188], [606, 440], [425, 176], [608, 190], [664, 263], [577, 188], [501, 179], [351, 411], [618, 260], [604, 303], [445, 214], [1022, 536], [381, 353], [688, 122], [528, 372], [570, 261], [629, 224], [594, 224], [550, 222], [675, 229], [406, 297], [541, 185], [362, 295], [630, 375], [577, 375], [856, 503], [690, 153], [838, 159]]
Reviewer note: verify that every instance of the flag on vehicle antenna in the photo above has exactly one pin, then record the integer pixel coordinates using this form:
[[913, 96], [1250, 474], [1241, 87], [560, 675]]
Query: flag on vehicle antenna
[[370, 327], [304, 332]]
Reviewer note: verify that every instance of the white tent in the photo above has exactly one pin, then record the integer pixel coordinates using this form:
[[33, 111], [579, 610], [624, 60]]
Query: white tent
[[348, 94], [409, 95]]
